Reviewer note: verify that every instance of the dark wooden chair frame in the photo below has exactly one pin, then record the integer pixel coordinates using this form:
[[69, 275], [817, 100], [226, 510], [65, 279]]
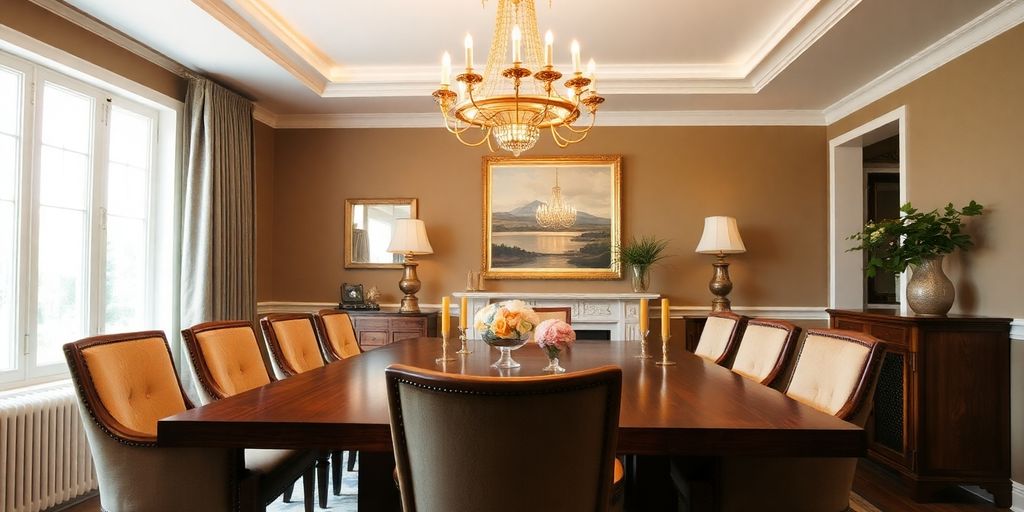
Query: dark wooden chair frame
[[868, 375], [321, 332]]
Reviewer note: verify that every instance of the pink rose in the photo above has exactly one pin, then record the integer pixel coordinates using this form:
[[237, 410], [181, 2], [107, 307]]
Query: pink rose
[[554, 333]]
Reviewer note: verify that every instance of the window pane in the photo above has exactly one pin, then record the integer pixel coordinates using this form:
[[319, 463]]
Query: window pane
[[8, 295], [129, 138], [126, 275], [127, 193], [8, 165], [10, 101], [63, 181], [67, 118], [61, 300]]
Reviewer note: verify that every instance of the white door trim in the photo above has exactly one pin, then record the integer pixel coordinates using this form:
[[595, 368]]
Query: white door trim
[[836, 240]]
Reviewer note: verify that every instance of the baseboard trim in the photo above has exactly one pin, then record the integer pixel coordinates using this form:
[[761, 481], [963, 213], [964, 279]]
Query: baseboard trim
[[1017, 329], [1018, 496]]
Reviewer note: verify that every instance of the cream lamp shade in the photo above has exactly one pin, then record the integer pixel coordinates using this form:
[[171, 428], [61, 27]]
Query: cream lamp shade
[[410, 237], [721, 236]]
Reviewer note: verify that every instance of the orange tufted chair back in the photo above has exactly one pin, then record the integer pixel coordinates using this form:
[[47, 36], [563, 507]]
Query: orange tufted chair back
[[226, 357], [293, 343]]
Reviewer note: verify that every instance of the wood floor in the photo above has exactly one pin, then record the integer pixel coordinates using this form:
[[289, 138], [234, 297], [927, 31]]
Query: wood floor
[[874, 484]]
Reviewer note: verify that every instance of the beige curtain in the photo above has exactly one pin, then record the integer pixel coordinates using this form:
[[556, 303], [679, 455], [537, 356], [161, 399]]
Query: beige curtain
[[218, 218]]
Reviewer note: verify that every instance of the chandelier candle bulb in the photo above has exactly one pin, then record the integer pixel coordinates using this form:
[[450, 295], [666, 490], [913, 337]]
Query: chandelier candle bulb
[[592, 75], [469, 52], [446, 69], [644, 311], [576, 57], [665, 329], [549, 49], [517, 45], [463, 312]]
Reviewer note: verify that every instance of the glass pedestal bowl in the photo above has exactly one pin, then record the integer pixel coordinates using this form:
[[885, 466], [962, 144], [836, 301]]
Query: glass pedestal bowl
[[506, 346]]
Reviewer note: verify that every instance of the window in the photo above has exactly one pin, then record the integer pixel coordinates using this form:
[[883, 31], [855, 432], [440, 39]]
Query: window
[[78, 196]]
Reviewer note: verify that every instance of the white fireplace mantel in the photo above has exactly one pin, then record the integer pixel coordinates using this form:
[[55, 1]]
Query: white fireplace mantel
[[618, 313]]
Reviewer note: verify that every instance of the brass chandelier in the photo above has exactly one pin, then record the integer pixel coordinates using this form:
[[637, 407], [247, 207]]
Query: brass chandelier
[[556, 213], [502, 103]]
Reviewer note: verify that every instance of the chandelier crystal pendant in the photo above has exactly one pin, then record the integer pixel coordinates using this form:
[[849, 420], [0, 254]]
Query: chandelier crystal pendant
[[556, 213], [513, 104]]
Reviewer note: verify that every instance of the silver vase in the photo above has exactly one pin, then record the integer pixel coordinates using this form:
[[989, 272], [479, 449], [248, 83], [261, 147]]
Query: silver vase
[[929, 291]]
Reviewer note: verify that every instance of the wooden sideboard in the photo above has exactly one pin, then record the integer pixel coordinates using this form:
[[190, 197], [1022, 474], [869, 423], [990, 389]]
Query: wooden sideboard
[[378, 328], [942, 406]]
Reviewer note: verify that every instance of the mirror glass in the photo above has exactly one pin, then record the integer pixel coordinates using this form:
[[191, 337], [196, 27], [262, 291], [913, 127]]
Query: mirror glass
[[368, 224]]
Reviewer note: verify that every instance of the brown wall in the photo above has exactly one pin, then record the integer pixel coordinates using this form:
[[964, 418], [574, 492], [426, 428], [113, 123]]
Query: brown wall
[[34, 21], [772, 179], [263, 167], [964, 126]]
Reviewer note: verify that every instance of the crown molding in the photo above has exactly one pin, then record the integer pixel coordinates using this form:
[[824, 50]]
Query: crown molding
[[637, 118], [272, 35], [264, 115], [993, 22], [111, 34], [797, 40]]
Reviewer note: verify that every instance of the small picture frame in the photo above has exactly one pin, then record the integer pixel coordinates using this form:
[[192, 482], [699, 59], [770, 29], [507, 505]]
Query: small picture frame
[[352, 294]]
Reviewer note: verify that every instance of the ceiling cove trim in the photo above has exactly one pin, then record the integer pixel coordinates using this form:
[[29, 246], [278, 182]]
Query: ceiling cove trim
[[636, 118], [111, 34], [272, 35], [988, 25]]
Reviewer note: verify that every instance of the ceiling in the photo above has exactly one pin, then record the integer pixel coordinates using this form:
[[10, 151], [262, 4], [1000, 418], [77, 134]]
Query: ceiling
[[301, 58]]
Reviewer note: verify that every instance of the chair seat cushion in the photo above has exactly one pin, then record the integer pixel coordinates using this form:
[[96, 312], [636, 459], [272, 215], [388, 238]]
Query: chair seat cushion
[[277, 469]]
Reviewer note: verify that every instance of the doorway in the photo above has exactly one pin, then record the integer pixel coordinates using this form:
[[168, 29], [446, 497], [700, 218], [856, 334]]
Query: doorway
[[860, 189]]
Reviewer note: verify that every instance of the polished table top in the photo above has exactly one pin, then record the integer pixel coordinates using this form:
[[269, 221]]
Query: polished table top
[[692, 408]]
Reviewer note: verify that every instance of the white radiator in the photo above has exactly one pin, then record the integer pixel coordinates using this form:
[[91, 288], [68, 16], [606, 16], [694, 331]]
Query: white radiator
[[44, 454]]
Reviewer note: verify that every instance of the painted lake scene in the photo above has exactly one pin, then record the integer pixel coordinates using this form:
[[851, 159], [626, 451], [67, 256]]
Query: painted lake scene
[[552, 218]]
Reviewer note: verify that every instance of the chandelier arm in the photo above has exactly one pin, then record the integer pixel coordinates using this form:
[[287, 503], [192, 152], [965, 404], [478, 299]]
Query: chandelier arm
[[453, 127], [488, 117], [486, 139], [593, 117], [566, 140]]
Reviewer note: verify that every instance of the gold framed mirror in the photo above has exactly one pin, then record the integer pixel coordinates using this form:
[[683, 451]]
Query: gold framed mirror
[[368, 225]]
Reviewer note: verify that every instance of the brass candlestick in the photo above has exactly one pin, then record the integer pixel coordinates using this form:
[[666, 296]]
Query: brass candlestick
[[465, 348], [445, 358], [644, 354], [664, 352]]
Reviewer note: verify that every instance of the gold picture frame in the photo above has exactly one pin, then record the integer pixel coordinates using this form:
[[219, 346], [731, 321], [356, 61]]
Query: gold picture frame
[[520, 243], [350, 221]]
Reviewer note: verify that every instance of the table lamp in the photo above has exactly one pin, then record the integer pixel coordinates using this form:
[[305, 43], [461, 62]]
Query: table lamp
[[721, 237], [409, 238]]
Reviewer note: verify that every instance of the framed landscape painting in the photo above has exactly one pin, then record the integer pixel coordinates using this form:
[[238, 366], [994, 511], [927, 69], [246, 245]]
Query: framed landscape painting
[[551, 217]]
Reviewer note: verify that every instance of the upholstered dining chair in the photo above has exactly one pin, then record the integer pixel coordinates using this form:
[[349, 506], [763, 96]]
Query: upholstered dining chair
[[765, 350], [334, 329], [720, 335], [294, 349], [459, 440], [835, 372], [338, 341], [558, 313], [293, 344], [227, 361], [125, 383]]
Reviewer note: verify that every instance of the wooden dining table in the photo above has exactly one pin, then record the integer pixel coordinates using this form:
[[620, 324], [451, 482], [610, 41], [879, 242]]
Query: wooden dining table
[[694, 408]]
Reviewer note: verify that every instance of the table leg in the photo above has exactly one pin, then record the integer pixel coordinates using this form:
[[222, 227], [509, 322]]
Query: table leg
[[377, 489], [648, 484]]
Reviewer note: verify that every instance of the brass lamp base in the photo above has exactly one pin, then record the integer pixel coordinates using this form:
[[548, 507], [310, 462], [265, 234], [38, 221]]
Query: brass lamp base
[[410, 284], [720, 285]]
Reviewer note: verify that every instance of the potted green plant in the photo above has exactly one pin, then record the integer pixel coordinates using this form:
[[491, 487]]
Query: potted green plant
[[639, 254], [919, 240]]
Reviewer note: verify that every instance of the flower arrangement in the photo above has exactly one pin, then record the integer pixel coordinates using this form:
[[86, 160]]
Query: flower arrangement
[[508, 320], [914, 237], [554, 335]]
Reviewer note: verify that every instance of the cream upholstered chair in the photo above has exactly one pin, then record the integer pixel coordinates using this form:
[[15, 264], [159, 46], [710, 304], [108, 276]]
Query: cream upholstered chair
[[460, 444], [765, 350], [336, 334], [338, 341], [294, 349], [720, 335], [125, 383], [293, 343], [227, 361], [835, 373]]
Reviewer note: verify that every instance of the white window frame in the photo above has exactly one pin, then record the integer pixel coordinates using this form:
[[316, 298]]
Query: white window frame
[[162, 210]]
